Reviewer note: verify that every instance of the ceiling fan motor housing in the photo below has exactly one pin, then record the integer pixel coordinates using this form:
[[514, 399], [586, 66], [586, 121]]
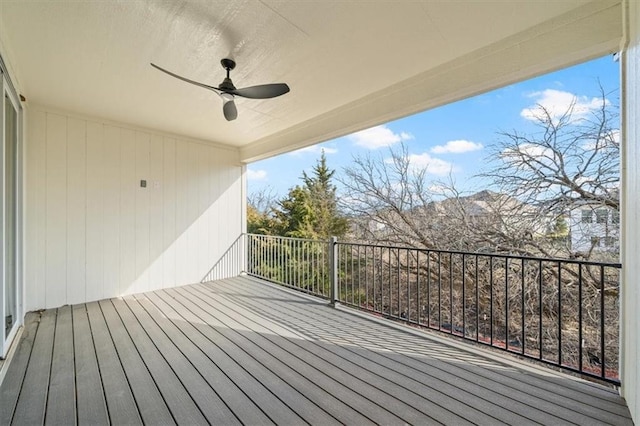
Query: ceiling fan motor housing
[[226, 84]]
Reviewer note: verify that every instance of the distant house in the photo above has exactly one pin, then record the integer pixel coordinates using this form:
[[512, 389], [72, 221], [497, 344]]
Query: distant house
[[486, 210], [594, 228]]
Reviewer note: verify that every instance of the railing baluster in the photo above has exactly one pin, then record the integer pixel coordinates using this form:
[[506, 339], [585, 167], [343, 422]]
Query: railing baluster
[[522, 324], [352, 278], [477, 302], [540, 310], [506, 304], [408, 314], [451, 292], [439, 291], [428, 290], [418, 285], [580, 317], [359, 277], [602, 320], [398, 285], [375, 276], [464, 297], [366, 277], [389, 285], [559, 313], [491, 300]]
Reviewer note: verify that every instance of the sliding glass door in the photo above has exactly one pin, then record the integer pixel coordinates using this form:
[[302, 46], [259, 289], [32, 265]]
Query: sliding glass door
[[10, 218]]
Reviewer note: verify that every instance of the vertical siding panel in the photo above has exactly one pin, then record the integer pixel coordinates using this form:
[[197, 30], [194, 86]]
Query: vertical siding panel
[[56, 211], [156, 148], [95, 206], [141, 281], [221, 225], [169, 213], [192, 213], [235, 218], [111, 199], [182, 168], [225, 232], [217, 215], [203, 211], [36, 211], [127, 216], [76, 210], [236, 193], [214, 193]]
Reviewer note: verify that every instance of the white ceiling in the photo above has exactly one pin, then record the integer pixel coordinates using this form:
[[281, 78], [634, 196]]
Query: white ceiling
[[350, 64]]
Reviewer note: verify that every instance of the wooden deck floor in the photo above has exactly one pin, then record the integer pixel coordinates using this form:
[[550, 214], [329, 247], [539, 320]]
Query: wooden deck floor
[[240, 351]]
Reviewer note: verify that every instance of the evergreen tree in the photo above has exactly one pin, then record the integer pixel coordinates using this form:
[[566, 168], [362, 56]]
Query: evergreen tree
[[311, 210]]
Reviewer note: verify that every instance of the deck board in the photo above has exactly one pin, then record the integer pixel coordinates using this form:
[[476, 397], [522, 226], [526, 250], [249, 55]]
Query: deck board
[[33, 395], [258, 364], [197, 390], [12, 383], [331, 395], [182, 407], [152, 407], [238, 403], [121, 406], [241, 351], [91, 404], [61, 401], [242, 370]]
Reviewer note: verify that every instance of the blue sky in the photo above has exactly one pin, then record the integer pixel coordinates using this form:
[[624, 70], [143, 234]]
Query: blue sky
[[453, 139]]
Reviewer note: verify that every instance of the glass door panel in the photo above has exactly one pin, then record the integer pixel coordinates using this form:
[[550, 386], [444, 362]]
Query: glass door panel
[[10, 215]]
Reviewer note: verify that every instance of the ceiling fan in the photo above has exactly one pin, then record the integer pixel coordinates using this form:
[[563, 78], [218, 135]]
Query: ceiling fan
[[228, 91]]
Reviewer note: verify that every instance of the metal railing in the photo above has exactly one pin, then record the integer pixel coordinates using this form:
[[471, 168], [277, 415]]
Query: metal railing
[[293, 262], [557, 311]]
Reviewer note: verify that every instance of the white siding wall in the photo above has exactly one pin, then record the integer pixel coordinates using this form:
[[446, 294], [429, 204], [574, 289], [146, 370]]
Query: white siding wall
[[631, 215], [93, 232]]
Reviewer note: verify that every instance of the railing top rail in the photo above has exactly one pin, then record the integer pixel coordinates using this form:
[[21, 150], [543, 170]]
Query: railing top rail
[[479, 254], [306, 240]]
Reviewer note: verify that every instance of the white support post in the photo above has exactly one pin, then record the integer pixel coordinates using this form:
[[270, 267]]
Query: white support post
[[629, 316]]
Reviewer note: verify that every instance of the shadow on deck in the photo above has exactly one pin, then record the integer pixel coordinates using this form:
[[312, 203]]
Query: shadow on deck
[[242, 351]]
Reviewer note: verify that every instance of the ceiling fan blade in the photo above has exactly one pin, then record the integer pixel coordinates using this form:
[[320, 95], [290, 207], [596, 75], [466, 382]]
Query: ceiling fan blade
[[215, 89], [229, 110], [264, 91]]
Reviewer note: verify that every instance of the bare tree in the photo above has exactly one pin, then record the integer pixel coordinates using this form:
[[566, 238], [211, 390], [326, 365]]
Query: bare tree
[[537, 180], [571, 158], [572, 162], [388, 200], [260, 206]]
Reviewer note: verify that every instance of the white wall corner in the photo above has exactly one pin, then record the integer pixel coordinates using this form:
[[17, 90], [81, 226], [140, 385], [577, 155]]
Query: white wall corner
[[630, 324]]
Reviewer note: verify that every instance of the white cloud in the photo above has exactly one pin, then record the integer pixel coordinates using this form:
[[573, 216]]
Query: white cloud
[[533, 150], [378, 137], [610, 138], [256, 174], [439, 189], [557, 102], [314, 149], [529, 150], [431, 165], [456, 147]]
